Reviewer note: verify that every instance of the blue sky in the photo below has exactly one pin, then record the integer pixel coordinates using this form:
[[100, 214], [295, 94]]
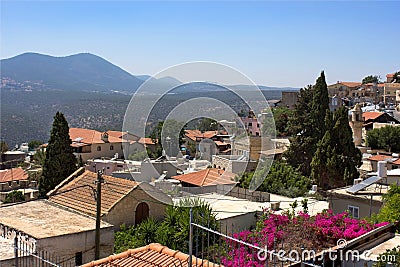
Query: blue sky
[[275, 43]]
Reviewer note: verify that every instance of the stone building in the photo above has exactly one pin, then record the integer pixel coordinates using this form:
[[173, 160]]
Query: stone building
[[123, 201]]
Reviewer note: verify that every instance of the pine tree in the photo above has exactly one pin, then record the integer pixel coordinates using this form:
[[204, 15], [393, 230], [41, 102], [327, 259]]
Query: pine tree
[[60, 161]]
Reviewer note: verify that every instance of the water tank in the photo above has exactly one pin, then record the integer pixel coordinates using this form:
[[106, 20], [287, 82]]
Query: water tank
[[395, 155], [314, 188], [382, 169]]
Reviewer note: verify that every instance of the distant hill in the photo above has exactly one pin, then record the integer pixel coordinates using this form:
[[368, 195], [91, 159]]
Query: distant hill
[[83, 72]]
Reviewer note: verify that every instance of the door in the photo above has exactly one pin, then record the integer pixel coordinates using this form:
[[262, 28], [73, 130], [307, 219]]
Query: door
[[142, 212]]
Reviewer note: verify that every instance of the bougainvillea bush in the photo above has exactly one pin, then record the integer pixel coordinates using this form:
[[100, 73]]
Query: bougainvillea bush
[[287, 232]]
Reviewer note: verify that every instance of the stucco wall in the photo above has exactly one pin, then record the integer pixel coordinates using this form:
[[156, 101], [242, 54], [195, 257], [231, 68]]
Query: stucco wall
[[340, 204], [105, 151], [68, 245], [65, 247]]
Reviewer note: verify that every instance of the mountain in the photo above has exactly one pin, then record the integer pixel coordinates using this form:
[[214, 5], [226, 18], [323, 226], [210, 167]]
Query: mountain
[[83, 72]]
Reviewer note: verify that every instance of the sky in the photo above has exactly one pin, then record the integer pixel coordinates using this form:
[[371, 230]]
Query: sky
[[274, 43]]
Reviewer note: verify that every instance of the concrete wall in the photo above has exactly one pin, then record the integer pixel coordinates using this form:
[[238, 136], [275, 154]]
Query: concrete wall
[[289, 99], [238, 223], [108, 150], [339, 203], [67, 246]]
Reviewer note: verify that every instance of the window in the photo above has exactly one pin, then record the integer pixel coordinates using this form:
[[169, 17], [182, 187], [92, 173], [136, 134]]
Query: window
[[17, 181], [111, 147], [9, 183], [258, 125], [78, 258], [250, 124], [257, 134], [99, 148], [354, 211]]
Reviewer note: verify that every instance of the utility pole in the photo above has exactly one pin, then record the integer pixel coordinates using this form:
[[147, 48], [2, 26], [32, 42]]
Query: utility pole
[[98, 214]]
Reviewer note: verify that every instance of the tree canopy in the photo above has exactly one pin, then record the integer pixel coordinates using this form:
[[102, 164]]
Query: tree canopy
[[60, 161], [387, 138], [370, 79], [207, 124], [281, 179], [171, 129], [336, 160], [307, 125], [173, 232]]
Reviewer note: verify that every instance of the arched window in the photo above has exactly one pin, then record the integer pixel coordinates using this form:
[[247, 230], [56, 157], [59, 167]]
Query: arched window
[[111, 147], [98, 148]]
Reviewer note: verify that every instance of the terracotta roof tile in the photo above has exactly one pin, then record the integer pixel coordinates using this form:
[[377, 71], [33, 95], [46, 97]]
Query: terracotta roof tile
[[209, 176], [371, 115], [396, 162], [152, 255], [146, 141], [196, 134], [351, 84], [88, 136], [82, 198], [14, 174], [379, 157]]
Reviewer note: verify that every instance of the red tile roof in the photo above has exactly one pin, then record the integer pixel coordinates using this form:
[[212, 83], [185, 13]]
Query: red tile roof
[[76, 192], [350, 84], [14, 174], [152, 255], [396, 162], [379, 157], [209, 176], [390, 75], [196, 134], [146, 141], [371, 115], [87, 136]]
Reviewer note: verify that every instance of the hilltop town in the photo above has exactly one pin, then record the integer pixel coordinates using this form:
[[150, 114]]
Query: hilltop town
[[315, 171]]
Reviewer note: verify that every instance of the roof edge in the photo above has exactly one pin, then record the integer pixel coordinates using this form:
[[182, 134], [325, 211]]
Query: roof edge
[[74, 175]]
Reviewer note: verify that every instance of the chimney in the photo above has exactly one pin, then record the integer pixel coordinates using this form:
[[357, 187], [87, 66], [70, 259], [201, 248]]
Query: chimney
[[104, 137], [382, 169]]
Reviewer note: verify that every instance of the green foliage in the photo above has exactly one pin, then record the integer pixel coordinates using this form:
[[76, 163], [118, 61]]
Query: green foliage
[[390, 256], [281, 117], [34, 144], [390, 211], [303, 141], [336, 160], [207, 124], [14, 196], [387, 138], [39, 157], [169, 128], [304, 204], [281, 179], [138, 156], [370, 79], [60, 161], [172, 232], [3, 147]]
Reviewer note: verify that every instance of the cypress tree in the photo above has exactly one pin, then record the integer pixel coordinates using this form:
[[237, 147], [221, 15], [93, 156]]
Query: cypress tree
[[308, 124], [336, 159], [60, 161], [319, 107]]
